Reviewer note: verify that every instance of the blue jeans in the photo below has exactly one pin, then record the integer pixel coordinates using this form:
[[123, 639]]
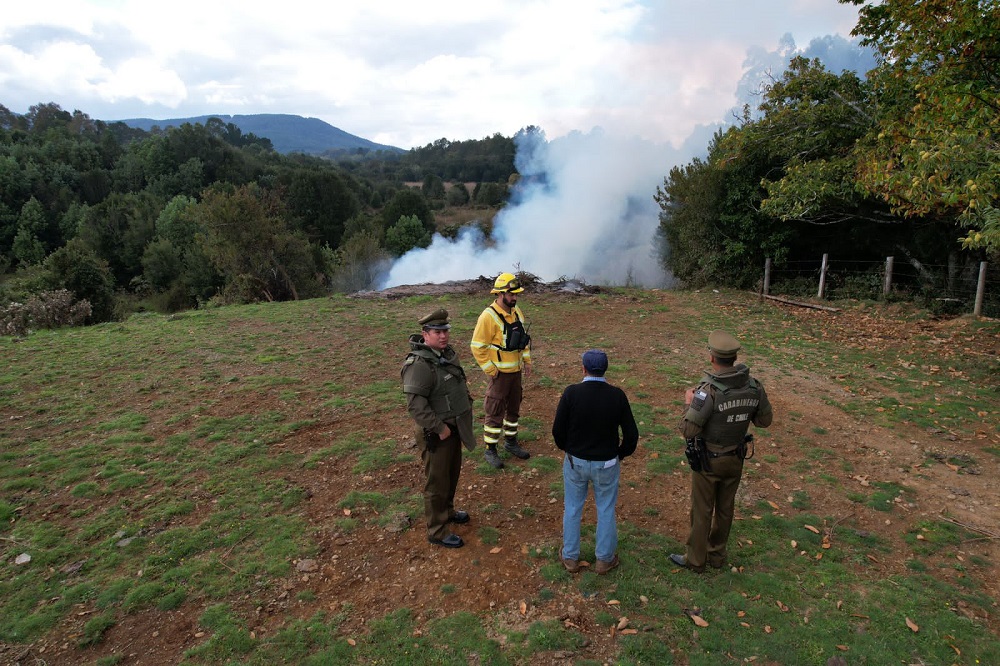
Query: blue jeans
[[576, 476]]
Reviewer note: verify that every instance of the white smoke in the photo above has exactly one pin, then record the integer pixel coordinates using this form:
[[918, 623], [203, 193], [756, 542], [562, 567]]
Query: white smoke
[[583, 209], [584, 206]]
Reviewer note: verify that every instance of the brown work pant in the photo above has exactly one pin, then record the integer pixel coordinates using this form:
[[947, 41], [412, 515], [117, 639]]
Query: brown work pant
[[503, 399], [713, 503], [441, 469]]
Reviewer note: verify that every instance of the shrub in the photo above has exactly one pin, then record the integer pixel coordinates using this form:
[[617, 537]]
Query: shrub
[[47, 309], [77, 268]]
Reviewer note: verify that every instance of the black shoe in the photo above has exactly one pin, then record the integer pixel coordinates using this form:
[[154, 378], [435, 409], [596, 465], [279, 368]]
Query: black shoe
[[450, 541], [493, 458], [514, 449], [459, 517], [681, 561]]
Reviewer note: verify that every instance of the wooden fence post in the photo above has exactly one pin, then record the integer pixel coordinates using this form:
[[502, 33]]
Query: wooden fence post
[[822, 277], [767, 276], [887, 285], [980, 289]]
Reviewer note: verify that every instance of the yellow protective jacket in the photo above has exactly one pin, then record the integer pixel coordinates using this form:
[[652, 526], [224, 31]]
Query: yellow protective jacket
[[488, 342]]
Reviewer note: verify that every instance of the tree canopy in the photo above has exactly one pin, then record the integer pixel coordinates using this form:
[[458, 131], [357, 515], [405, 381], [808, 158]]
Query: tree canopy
[[169, 219], [935, 150], [901, 161]]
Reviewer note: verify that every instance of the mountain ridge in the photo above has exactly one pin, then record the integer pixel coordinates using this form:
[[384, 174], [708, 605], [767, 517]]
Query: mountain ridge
[[288, 133]]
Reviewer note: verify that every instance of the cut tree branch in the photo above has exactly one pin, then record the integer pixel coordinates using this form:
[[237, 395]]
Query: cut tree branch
[[800, 304]]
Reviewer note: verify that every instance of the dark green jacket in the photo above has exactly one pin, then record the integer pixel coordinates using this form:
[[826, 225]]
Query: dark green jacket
[[436, 390], [724, 406]]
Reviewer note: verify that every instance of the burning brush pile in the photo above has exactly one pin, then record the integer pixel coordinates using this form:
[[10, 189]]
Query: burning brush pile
[[480, 285]]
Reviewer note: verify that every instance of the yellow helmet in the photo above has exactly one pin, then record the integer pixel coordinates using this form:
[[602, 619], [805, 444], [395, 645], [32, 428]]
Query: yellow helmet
[[506, 282]]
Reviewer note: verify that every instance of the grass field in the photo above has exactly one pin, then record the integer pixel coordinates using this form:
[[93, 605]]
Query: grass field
[[240, 485]]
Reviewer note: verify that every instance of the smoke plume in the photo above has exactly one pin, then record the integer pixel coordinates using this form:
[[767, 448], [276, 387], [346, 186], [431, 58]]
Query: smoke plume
[[583, 209]]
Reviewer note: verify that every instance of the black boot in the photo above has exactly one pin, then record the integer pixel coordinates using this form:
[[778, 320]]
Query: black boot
[[492, 457], [514, 449]]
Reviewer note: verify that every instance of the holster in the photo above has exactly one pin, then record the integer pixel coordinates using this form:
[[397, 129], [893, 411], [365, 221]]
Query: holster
[[431, 440], [697, 454], [744, 446]]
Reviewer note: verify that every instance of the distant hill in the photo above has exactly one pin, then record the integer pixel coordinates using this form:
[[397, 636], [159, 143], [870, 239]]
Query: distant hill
[[288, 133]]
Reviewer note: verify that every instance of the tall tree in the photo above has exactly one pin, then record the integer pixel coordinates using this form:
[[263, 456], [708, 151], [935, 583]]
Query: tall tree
[[812, 120], [710, 214], [689, 201], [408, 201], [118, 228], [28, 248], [248, 239], [936, 151], [321, 200]]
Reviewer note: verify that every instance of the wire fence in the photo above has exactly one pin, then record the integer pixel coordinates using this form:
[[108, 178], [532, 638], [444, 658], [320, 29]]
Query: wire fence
[[944, 289]]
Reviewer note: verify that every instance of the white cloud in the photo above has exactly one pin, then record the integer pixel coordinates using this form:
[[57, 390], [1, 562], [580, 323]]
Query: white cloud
[[403, 73], [145, 80], [656, 75]]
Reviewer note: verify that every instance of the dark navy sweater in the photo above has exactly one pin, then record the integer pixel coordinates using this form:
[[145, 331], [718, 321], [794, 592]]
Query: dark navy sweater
[[588, 418]]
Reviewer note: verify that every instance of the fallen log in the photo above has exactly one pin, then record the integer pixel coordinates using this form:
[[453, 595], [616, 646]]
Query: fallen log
[[801, 304]]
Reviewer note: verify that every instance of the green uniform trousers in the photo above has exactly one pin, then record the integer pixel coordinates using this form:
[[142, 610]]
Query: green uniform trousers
[[713, 500], [441, 468]]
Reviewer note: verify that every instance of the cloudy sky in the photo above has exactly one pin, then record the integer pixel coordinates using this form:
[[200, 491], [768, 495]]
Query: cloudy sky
[[404, 73], [622, 89]]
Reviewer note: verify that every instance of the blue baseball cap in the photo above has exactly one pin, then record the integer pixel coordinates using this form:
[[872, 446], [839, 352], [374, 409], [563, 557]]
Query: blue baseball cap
[[595, 362]]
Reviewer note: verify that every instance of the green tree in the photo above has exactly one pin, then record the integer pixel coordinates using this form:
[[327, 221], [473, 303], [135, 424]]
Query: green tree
[[689, 200], [433, 187], [322, 200], [936, 150], [119, 228], [405, 202], [78, 268], [458, 195], [710, 213], [811, 121], [248, 239], [161, 264], [177, 222], [489, 194], [8, 229], [27, 247], [409, 232], [359, 263]]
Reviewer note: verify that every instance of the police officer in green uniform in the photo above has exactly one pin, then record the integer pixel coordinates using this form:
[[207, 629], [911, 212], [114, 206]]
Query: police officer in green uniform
[[719, 411], [438, 399]]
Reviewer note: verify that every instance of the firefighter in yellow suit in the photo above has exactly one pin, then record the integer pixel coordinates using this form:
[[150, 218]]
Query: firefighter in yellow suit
[[502, 348]]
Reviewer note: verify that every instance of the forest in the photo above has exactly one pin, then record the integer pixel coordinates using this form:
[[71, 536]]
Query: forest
[[128, 220], [902, 161], [98, 220]]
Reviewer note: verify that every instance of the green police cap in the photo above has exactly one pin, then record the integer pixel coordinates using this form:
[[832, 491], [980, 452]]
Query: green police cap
[[437, 320], [723, 345]]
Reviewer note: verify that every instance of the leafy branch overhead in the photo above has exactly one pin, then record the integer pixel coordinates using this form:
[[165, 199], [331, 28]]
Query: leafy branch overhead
[[901, 160]]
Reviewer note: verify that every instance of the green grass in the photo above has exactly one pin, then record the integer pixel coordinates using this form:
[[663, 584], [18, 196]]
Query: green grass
[[194, 453], [489, 535]]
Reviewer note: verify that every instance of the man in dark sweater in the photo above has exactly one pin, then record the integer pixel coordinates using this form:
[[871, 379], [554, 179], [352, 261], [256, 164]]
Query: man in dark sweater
[[586, 427]]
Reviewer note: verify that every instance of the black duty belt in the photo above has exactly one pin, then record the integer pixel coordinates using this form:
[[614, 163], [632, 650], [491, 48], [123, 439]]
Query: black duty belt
[[713, 454]]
